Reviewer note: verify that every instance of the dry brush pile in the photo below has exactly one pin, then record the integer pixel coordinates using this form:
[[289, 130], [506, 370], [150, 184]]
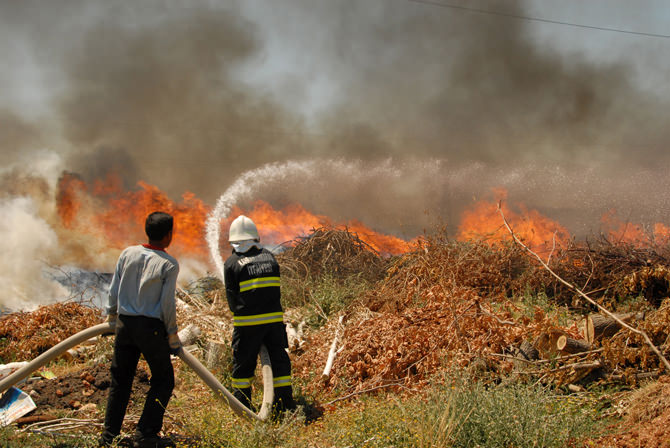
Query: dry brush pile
[[336, 253], [445, 303], [454, 303], [26, 335]]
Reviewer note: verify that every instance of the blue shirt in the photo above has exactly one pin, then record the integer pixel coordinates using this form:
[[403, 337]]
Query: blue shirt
[[144, 284]]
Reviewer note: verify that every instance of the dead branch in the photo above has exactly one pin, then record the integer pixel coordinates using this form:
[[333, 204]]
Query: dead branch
[[583, 295], [544, 361], [575, 366], [500, 321], [333, 349], [372, 389]]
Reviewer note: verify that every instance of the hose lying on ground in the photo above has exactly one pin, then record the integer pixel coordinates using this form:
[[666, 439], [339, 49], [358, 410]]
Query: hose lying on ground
[[190, 360]]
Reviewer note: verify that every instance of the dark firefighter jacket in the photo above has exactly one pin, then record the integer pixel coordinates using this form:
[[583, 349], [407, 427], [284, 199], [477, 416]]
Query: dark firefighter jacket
[[252, 288]]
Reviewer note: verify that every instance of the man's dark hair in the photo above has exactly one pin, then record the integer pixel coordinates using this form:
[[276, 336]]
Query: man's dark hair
[[158, 225]]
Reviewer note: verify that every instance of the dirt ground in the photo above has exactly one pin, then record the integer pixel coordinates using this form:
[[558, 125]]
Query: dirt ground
[[81, 387], [646, 420]]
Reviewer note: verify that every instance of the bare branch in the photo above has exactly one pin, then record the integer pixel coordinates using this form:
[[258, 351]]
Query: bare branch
[[583, 295], [372, 389]]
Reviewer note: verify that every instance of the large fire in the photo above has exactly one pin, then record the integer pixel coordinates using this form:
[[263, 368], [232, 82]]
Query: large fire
[[115, 215], [484, 221], [619, 231]]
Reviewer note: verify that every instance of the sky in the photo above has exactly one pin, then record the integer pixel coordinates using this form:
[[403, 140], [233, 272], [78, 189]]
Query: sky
[[432, 104]]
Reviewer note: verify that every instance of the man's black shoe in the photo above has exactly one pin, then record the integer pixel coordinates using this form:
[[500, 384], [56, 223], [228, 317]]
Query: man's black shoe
[[153, 442], [105, 441]]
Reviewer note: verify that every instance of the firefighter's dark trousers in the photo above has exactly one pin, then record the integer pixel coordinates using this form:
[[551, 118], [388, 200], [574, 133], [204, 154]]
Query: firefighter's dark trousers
[[137, 335], [247, 341]]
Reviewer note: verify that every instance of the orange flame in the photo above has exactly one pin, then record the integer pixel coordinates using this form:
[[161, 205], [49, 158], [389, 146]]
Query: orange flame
[[279, 226], [117, 217], [69, 188], [619, 231], [484, 222]]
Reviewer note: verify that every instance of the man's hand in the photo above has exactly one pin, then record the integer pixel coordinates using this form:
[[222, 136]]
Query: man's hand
[[175, 343], [111, 319]]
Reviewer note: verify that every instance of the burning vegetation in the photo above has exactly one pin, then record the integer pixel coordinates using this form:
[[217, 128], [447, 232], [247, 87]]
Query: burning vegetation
[[446, 304], [396, 314]]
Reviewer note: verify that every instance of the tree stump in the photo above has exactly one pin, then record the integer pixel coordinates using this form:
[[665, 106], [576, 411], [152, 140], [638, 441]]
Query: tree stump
[[546, 343], [216, 354]]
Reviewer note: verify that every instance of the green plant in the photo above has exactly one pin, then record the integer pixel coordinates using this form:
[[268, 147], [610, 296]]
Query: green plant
[[530, 301], [330, 295], [462, 413], [374, 421]]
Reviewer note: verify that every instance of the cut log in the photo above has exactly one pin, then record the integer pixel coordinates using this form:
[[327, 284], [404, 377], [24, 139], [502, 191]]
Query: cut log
[[632, 377], [189, 335], [295, 336], [575, 388], [546, 343], [22, 421], [569, 346], [598, 326]]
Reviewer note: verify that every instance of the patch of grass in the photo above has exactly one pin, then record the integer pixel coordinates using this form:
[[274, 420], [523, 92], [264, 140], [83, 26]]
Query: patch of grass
[[454, 412], [212, 424], [324, 296], [373, 421], [10, 438], [531, 300], [461, 413]]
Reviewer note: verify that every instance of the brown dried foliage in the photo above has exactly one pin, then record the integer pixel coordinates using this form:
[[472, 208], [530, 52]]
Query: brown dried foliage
[[26, 335], [600, 269], [449, 302], [628, 352], [440, 264], [433, 308], [335, 252]]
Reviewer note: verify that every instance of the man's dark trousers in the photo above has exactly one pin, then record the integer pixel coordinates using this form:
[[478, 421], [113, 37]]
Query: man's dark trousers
[[246, 345], [137, 335]]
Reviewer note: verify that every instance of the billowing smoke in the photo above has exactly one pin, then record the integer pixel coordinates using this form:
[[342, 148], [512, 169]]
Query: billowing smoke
[[159, 92], [440, 104], [29, 242]]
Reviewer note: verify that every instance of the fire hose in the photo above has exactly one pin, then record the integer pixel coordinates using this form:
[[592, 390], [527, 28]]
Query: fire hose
[[205, 375]]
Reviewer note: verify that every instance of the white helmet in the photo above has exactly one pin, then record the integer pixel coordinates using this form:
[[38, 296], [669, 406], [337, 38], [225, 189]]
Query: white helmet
[[242, 228]]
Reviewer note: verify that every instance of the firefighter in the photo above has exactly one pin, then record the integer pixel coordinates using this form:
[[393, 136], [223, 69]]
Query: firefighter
[[141, 305], [251, 276]]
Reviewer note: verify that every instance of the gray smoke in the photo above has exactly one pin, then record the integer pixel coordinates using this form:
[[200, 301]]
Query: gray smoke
[[170, 93]]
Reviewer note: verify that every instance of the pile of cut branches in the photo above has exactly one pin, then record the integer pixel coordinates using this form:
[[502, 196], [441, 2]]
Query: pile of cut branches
[[628, 353], [448, 303], [605, 270], [336, 253], [489, 271], [25, 335]]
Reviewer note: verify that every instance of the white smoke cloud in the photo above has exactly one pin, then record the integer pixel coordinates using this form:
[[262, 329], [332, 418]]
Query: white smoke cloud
[[26, 242]]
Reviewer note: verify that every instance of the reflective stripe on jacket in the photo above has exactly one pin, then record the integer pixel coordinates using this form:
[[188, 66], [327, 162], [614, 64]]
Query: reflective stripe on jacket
[[258, 319], [260, 282], [253, 287]]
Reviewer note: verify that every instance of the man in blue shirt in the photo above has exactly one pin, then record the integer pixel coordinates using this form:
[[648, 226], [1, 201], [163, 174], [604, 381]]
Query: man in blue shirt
[[141, 305]]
